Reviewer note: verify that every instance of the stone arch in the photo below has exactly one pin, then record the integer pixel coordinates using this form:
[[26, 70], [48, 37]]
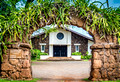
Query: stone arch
[[105, 60]]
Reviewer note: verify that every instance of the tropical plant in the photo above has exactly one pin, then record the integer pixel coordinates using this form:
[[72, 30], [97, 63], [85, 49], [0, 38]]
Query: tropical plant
[[35, 54], [17, 24], [87, 53], [42, 53], [86, 56], [76, 53]]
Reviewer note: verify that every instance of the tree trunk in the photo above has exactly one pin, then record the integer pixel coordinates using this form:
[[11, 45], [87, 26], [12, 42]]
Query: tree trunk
[[107, 3]]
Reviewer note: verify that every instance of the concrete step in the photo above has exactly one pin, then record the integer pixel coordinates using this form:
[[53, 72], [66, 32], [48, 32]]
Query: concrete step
[[59, 59]]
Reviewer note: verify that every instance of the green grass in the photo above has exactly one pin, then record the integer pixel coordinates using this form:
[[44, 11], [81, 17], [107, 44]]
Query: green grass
[[111, 81], [86, 79], [6, 80]]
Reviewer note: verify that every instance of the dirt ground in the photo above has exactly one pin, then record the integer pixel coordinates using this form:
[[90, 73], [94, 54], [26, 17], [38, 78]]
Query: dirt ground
[[61, 71]]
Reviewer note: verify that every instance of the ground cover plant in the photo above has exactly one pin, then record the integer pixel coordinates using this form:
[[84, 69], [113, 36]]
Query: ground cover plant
[[87, 80], [6, 80]]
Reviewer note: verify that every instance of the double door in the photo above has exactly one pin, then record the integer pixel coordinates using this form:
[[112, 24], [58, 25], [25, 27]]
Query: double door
[[60, 51]]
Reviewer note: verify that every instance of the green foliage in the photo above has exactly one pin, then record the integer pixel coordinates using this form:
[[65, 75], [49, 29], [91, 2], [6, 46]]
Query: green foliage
[[17, 24], [86, 57], [42, 53], [6, 80], [76, 53], [35, 54], [87, 53]]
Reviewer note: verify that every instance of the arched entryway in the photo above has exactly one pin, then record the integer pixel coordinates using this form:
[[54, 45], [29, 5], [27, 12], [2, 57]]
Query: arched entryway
[[105, 61], [61, 66]]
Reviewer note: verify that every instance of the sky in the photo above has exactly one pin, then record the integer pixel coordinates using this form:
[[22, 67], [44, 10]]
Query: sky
[[112, 3]]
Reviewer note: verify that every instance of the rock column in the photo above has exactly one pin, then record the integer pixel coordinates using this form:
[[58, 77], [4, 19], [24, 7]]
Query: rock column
[[16, 63], [105, 62]]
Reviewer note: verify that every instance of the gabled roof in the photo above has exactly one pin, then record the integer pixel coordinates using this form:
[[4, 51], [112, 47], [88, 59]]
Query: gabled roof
[[80, 34], [67, 29]]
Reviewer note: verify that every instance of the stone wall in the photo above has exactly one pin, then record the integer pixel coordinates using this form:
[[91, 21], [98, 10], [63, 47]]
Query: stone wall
[[77, 39], [41, 39], [105, 62], [16, 62]]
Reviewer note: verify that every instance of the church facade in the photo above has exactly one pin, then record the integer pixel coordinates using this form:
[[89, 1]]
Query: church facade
[[62, 43]]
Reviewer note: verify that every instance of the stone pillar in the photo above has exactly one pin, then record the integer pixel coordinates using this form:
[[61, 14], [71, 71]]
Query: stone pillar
[[16, 62], [105, 62]]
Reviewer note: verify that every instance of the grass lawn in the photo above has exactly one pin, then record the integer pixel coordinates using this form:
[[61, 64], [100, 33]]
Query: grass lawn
[[36, 79], [99, 81], [6, 80]]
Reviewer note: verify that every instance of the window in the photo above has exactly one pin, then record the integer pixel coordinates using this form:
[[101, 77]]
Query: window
[[76, 48], [60, 36], [42, 48]]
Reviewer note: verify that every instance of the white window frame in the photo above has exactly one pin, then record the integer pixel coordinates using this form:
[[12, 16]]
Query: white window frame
[[42, 44], [76, 47], [76, 50], [42, 50]]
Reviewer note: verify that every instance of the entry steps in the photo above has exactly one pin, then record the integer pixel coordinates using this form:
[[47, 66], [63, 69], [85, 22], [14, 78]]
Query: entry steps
[[59, 59]]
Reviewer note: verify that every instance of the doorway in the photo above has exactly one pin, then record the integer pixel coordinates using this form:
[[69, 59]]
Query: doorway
[[59, 51]]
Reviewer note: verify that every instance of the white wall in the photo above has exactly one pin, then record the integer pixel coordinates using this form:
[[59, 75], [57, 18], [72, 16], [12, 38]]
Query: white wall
[[90, 43], [65, 41], [53, 40], [51, 50]]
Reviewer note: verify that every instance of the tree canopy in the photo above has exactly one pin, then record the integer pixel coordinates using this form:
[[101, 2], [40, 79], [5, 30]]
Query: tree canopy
[[15, 22]]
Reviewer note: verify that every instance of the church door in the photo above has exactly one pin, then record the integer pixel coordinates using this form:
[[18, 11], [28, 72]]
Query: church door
[[60, 51]]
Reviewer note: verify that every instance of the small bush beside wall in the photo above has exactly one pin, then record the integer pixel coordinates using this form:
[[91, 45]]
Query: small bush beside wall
[[87, 56], [42, 53], [76, 53], [35, 54]]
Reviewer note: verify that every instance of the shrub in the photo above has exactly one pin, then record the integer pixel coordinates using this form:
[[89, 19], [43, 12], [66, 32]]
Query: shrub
[[76, 53], [87, 53], [82, 56], [86, 57], [35, 54], [42, 53]]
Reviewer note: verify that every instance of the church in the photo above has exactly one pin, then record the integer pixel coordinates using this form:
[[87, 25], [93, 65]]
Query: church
[[62, 43]]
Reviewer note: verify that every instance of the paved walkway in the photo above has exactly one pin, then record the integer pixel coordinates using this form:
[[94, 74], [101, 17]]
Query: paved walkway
[[66, 70]]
